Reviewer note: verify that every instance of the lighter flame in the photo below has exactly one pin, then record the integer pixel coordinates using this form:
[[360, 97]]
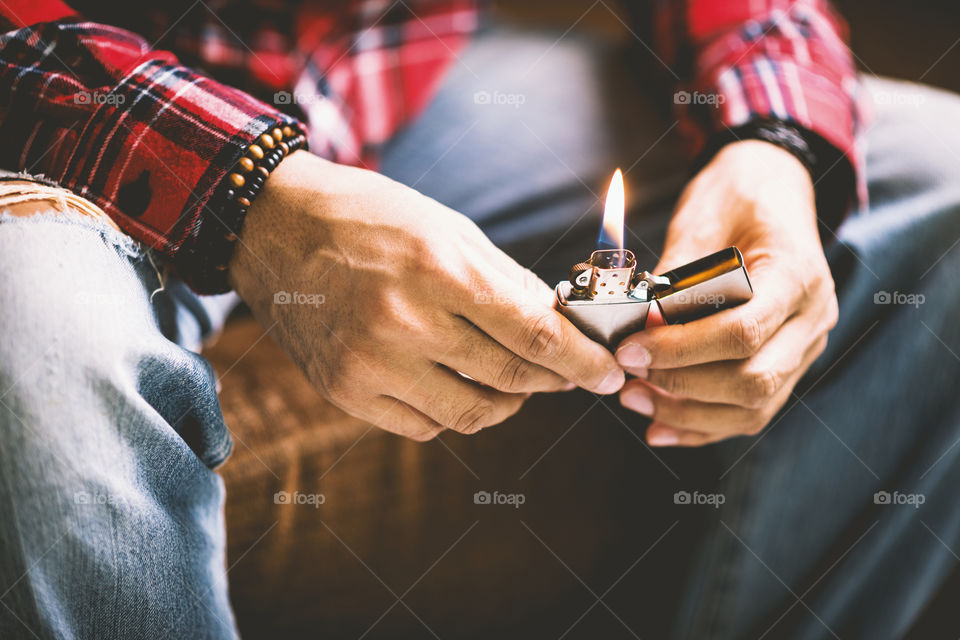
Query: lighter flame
[[613, 211]]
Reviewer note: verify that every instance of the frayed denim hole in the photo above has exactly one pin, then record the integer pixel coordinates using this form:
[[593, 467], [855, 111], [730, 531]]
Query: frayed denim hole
[[124, 245]]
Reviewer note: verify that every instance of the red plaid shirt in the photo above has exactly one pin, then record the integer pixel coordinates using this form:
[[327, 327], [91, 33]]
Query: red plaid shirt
[[108, 113]]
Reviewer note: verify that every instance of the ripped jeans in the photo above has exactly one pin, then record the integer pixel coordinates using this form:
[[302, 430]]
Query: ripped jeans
[[107, 446]]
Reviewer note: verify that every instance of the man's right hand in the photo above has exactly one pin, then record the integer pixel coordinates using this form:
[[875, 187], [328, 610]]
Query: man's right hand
[[412, 293]]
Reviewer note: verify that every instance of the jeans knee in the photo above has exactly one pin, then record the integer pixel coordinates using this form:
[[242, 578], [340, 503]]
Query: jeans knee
[[83, 354], [69, 284]]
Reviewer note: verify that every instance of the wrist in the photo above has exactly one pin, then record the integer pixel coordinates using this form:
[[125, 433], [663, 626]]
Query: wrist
[[204, 259], [767, 161], [830, 170], [770, 186], [256, 268]]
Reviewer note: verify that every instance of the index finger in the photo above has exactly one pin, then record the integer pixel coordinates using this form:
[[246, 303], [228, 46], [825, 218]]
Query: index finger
[[731, 334], [540, 334]]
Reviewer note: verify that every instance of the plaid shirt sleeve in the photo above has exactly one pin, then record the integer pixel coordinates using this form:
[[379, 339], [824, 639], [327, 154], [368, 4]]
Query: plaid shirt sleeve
[[103, 113], [371, 72], [738, 61], [97, 110]]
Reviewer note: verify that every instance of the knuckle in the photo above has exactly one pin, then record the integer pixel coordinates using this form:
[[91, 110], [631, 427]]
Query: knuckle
[[514, 375], [821, 346], [674, 383], [832, 311], [761, 387], [545, 339], [474, 417], [747, 337], [676, 351]]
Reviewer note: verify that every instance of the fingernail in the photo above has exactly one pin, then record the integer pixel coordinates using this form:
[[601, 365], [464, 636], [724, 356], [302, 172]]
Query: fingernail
[[638, 372], [612, 383], [633, 355], [570, 386], [663, 438], [638, 400]]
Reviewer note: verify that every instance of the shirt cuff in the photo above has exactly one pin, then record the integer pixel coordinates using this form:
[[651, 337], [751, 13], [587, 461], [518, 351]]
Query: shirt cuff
[[759, 88], [158, 146]]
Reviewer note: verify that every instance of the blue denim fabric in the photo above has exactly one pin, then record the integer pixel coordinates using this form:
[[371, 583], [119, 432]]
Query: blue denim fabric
[[112, 523], [111, 519]]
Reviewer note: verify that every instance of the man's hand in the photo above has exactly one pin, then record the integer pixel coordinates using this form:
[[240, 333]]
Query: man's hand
[[729, 373], [412, 294]]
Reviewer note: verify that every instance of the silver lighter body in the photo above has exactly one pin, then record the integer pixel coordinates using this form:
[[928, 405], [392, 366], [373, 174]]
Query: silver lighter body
[[608, 299]]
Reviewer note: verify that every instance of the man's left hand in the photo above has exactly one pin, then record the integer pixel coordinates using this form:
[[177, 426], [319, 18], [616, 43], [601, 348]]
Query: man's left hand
[[728, 374]]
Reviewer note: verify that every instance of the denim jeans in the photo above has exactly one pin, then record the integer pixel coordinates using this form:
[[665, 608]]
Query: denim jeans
[[110, 428]]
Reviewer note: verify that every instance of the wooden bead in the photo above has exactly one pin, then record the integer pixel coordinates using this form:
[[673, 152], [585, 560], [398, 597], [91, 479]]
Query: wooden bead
[[277, 134], [243, 202], [285, 147], [237, 180], [256, 152], [267, 141], [246, 164], [263, 171], [221, 267], [230, 237], [288, 131]]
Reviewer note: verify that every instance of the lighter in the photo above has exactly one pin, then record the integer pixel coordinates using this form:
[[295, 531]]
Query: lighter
[[607, 299]]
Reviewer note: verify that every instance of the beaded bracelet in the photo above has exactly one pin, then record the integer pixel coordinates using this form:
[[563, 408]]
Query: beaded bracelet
[[206, 267]]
